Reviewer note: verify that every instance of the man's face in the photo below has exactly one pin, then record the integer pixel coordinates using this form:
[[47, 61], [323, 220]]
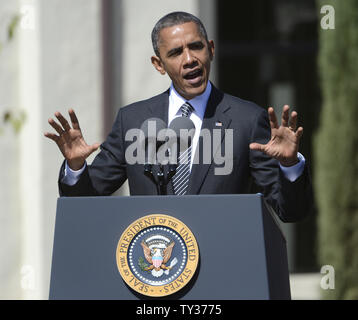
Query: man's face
[[185, 56]]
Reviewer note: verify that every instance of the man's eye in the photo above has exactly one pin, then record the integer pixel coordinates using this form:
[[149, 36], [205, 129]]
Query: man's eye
[[197, 46], [175, 53]]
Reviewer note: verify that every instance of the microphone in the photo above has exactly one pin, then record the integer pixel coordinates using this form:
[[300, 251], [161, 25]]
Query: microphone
[[157, 139], [151, 128], [184, 130]]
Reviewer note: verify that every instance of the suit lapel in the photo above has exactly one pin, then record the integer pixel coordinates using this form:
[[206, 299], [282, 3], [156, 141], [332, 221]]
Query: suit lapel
[[159, 108], [215, 117]]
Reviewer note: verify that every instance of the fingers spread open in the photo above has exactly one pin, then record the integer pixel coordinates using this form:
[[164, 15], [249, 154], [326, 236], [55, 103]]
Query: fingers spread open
[[273, 119], [293, 121], [285, 116], [299, 132], [63, 121], [52, 136], [74, 120], [257, 146], [95, 146], [56, 126]]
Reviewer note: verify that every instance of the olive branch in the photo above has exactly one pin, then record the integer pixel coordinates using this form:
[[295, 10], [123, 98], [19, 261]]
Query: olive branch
[[142, 264]]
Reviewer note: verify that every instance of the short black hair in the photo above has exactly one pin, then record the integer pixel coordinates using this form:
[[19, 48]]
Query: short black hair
[[173, 19]]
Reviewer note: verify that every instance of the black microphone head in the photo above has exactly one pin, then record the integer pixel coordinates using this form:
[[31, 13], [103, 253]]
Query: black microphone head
[[184, 130], [150, 143], [181, 123], [152, 126]]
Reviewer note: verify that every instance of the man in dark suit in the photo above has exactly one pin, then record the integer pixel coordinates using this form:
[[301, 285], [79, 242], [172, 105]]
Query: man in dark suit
[[263, 151]]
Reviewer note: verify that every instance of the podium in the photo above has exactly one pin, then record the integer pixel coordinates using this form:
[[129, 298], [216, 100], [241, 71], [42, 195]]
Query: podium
[[242, 249]]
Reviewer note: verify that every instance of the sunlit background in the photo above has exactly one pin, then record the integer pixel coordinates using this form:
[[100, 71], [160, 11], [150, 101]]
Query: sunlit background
[[94, 56]]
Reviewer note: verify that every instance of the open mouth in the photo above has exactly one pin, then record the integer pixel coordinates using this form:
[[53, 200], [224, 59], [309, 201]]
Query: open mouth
[[193, 75]]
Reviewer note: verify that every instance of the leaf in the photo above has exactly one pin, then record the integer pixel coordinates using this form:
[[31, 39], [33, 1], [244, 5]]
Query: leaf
[[7, 116], [12, 27], [16, 121], [142, 264]]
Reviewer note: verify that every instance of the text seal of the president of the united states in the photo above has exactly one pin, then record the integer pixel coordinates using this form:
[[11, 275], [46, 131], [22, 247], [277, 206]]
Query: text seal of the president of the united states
[[157, 255]]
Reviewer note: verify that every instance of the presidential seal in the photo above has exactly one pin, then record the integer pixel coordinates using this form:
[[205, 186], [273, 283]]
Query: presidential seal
[[157, 255]]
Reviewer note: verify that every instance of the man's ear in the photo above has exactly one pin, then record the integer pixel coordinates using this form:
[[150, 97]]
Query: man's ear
[[158, 65], [211, 48]]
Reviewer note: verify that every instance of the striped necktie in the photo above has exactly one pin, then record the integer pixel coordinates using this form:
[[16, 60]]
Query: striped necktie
[[181, 177]]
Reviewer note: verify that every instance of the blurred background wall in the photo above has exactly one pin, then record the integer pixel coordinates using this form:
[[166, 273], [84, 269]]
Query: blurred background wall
[[94, 56], [86, 54], [10, 214]]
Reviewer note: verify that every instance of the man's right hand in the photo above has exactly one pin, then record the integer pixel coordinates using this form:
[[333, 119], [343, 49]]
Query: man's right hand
[[70, 140]]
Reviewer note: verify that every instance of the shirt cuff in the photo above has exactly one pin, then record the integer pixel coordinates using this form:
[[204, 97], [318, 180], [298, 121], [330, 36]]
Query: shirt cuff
[[294, 172], [71, 177]]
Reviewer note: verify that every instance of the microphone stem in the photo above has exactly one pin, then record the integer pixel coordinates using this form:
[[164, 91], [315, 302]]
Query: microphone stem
[[161, 181]]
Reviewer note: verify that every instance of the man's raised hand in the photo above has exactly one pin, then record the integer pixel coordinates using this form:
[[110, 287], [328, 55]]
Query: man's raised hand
[[285, 138], [70, 141]]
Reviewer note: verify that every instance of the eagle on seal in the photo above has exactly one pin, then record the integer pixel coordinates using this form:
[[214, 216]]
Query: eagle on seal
[[157, 257]]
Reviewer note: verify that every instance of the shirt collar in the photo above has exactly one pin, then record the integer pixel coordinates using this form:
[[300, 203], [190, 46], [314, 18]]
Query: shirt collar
[[199, 102]]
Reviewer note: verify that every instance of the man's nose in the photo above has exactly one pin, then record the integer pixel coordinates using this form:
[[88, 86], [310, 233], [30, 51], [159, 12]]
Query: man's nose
[[189, 59]]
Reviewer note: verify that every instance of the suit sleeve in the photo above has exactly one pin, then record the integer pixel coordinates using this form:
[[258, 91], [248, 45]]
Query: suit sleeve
[[292, 201], [107, 171]]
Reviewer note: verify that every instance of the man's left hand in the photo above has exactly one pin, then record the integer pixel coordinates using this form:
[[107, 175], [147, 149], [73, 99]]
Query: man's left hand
[[285, 138]]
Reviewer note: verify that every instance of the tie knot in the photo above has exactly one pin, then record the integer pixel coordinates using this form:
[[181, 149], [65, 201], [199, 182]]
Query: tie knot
[[186, 109]]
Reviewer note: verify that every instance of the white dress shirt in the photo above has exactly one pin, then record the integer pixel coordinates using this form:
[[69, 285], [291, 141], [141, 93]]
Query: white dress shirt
[[199, 104]]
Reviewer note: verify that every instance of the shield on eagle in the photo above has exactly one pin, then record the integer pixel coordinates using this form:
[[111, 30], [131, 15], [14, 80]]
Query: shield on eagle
[[157, 258]]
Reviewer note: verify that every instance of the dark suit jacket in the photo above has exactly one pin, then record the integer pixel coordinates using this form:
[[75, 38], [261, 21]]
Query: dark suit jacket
[[109, 170]]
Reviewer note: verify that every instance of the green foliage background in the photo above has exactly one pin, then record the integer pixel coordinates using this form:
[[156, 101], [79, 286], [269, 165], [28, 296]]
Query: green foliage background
[[336, 149]]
